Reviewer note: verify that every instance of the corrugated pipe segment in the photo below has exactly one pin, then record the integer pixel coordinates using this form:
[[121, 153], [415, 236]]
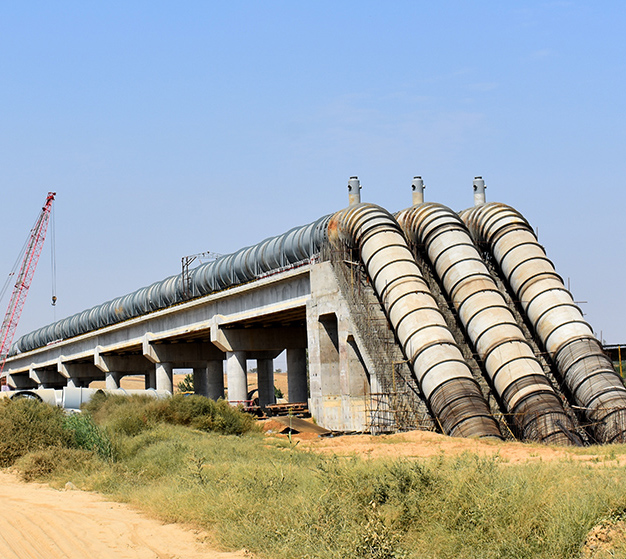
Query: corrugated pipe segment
[[443, 376], [587, 372], [513, 369], [297, 245]]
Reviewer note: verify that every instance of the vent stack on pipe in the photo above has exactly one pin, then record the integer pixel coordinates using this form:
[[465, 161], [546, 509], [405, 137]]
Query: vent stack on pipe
[[479, 191], [436, 361], [588, 373], [514, 372], [354, 191], [418, 190]]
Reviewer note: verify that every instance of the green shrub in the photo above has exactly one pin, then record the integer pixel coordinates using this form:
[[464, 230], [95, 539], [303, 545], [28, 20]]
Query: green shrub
[[29, 425], [131, 415], [42, 464], [126, 415], [186, 385], [88, 435]]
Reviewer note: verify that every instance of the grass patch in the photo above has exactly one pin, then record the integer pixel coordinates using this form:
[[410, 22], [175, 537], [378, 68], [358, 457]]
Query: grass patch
[[131, 415], [28, 426], [173, 459]]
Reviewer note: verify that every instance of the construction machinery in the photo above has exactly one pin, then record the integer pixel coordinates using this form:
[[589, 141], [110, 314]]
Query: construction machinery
[[23, 278]]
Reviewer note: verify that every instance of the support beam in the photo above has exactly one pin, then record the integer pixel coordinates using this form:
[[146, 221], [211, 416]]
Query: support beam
[[127, 364], [183, 355], [79, 374], [257, 339], [46, 378], [21, 381]]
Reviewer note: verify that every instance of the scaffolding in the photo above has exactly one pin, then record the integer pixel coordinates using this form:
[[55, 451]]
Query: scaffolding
[[395, 402]]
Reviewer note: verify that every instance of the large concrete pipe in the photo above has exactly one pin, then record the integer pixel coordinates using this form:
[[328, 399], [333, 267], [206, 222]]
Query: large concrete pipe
[[443, 376], [515, 373], [586, 370]]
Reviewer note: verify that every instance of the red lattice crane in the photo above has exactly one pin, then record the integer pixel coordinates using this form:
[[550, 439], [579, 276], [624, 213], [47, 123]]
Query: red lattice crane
[[23, 281]]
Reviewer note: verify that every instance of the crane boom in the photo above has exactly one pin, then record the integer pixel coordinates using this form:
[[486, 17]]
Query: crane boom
[[24, 279]]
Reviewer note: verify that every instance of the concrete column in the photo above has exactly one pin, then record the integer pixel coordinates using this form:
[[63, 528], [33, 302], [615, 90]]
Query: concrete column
[[201, 381], [112, 380], [237, 376], [265, 375], [164, 377], [150, 379], [215, 379], [296, 375]]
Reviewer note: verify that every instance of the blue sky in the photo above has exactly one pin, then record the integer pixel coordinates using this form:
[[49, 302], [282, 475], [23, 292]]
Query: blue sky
[[171, 128]]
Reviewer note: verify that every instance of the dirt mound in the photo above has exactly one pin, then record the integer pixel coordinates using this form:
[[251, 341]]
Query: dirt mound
[[424, 444], [606, 540]]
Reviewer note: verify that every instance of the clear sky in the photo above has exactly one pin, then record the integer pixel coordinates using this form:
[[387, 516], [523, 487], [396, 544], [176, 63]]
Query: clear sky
[[172, 128]]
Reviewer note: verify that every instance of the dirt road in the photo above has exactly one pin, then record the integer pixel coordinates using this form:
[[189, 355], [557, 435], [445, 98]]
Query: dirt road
[[41, 523]]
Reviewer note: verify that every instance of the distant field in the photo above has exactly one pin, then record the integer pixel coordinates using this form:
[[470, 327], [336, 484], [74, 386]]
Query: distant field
[[137, 382]]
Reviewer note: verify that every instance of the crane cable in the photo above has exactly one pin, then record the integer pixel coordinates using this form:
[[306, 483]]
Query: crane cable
[[53, 258]]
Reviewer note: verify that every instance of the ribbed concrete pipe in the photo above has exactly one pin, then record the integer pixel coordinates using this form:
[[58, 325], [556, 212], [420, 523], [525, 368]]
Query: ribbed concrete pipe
[[445, 379], [515, 373], [559, 323]]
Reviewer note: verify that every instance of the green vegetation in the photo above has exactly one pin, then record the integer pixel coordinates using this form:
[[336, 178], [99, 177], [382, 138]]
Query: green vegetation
[[186, 385], [180, 460]]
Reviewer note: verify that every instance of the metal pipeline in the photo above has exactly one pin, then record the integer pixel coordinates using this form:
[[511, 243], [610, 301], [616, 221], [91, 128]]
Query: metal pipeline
[[443, 376], [296, 245], [515, 373], [586, 370]]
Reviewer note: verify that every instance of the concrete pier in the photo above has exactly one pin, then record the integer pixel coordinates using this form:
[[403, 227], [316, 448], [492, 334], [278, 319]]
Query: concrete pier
[[297, 375], [237, 376], [164, 377], [265, 376], [112, 380], [215, 379]]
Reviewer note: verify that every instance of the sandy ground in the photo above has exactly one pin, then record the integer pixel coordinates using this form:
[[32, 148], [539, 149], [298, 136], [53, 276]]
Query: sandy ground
[[42, 523], [426, 444]]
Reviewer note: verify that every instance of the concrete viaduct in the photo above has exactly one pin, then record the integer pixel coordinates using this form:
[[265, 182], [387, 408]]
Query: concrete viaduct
[[214, 335]]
